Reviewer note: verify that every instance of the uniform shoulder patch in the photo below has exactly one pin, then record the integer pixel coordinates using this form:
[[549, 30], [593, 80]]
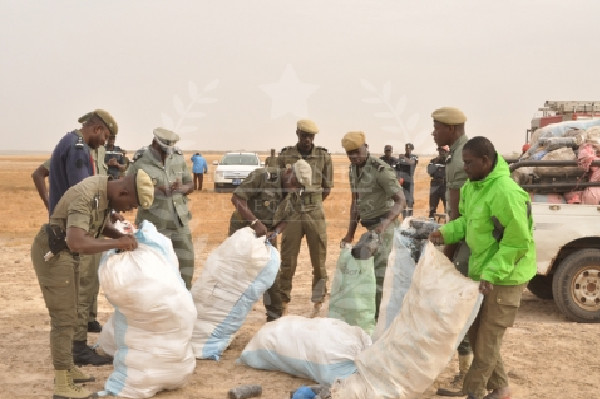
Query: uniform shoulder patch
[[319, 148], [79, 144]]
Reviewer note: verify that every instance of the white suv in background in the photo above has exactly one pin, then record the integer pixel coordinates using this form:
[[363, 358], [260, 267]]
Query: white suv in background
[[233, 168]]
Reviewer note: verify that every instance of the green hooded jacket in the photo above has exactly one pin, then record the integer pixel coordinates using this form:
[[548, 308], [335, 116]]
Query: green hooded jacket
[[487, 207]]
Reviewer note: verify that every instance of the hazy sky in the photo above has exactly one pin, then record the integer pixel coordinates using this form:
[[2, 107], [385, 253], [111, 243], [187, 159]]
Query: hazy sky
[[232, 75]]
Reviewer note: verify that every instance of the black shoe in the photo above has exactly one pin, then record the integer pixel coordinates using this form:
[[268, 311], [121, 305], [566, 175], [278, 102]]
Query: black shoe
[[94, 326], [83, 354]]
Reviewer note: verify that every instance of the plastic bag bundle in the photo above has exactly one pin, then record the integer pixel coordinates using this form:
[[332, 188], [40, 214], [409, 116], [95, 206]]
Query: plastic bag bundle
[[436, 312], [352, 297], [153, 319], [321, 349], [235, 276]]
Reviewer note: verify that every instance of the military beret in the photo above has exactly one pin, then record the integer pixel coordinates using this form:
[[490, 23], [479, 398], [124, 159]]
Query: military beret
[[303, 172], [165, 137], [144, 189], [353, 140], [307, 126], [449, 116], [388, 148], [107, 118], [410, 145]]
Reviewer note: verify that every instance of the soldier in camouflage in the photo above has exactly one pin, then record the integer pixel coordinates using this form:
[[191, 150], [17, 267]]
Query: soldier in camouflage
[[264, 200], [173, 182], [308, 219], [377, 200]]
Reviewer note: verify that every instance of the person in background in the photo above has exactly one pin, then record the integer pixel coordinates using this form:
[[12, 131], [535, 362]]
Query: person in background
[[405, 168], [495, 219], [449, 129], [309, 218], [114, 159], [199, 168], [169, 213], [72, 161], [388, 157], [271, 160], [377, 200], [74, 227], [264, 200], [437, 186]]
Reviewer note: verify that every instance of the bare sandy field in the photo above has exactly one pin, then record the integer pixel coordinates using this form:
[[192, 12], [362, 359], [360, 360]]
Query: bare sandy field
[[546, 356]]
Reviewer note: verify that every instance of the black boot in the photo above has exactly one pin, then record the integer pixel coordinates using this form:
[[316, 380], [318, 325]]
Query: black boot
[[94, 326], [83, 354]]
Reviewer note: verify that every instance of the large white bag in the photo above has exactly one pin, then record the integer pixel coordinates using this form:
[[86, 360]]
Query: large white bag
[[235, 276], [321, 349], [153, 319], [436, 312], [398, 277]]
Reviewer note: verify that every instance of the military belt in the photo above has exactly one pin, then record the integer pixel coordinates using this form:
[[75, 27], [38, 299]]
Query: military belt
[[311, 198]]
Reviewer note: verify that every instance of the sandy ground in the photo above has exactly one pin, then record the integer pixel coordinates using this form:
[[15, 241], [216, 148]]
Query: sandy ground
[[546, 355]]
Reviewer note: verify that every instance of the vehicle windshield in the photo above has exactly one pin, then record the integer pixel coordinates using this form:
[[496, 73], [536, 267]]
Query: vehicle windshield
[[239, 159]]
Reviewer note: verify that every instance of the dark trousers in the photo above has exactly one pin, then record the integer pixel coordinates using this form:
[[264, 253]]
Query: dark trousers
[[437, 193], [198, 178]]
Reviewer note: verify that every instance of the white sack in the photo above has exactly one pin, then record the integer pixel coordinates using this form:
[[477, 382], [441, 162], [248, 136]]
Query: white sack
[[235, 276], [106, 338], [437, 310], [321, 349], [398, 277], [153, 319]]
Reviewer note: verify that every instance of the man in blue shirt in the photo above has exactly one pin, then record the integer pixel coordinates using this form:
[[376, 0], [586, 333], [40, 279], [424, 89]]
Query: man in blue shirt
[[71, 162], [199, 167]]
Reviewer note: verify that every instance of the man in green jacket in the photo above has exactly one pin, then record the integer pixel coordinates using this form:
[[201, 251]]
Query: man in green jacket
[[495, 221]]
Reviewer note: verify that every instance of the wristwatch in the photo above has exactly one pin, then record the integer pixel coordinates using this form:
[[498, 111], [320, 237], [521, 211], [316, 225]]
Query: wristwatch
[[252, 223]]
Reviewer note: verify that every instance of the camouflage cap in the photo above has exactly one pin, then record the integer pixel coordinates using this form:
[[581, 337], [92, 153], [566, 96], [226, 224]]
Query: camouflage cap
[[307, 126], [106, 117], [353, 140], [165, 136], [449, 116], [144, 189], [303, 172]]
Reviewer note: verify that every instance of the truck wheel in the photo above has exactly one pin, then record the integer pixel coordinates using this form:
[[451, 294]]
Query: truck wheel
[[541, 286], [576, 286]]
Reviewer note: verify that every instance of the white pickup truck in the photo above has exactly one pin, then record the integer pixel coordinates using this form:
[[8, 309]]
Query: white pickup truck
[[567, 237]]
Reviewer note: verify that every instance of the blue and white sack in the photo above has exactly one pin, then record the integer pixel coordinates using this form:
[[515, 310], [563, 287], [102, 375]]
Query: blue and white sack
[[321, 349], [234, 277], [153, 319]]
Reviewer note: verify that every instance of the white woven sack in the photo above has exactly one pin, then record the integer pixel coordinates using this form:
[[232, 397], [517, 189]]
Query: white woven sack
[[235, 276], [153, 319], [321, 349], [437, 310]]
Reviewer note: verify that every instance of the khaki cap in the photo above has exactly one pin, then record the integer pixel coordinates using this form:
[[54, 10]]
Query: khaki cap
[[307, 126], [353, 140], [106, 117], [303, 172], [165, 137], [449, 116], [144, 189]]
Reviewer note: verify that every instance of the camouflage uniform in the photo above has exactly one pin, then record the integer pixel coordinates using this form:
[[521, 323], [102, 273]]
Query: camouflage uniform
[[84, 206], [263, 192], [308, 218], [375, 184], [169, 213]]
